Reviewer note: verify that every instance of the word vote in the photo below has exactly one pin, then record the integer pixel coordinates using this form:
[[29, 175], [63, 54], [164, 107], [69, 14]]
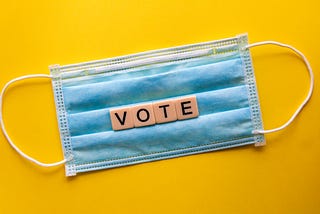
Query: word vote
[[152, 113]]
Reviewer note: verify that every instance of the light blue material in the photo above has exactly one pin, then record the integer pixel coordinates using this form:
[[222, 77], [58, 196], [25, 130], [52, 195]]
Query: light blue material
[[218, 73]]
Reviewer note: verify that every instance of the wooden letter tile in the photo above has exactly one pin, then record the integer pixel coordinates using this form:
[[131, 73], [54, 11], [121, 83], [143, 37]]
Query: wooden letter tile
[[186, 107], [165, 111], [143, 115], [121, 118]]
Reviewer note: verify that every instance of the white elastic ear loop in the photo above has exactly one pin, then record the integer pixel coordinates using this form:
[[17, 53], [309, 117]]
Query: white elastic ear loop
[[5, 131], [306, 62]]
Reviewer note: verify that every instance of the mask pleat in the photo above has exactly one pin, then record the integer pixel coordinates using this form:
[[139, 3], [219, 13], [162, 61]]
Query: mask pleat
[[176, 82], [227, 126], [210, 102]]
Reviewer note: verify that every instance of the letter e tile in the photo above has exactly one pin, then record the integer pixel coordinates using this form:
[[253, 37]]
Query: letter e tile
[[186, 107]]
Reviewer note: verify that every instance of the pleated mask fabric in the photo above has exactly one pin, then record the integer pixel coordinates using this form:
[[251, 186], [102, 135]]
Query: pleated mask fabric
[[217, 75]]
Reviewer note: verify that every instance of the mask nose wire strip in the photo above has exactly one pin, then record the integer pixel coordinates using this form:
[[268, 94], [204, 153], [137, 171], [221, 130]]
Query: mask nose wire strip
[[5, 131], [305, 101]]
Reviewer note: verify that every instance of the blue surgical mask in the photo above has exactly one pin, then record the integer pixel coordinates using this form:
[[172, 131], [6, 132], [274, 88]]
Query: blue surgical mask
[[157, 105]]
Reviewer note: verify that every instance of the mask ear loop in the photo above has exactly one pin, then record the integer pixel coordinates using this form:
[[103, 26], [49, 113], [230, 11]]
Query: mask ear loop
[[5, 131], [305, 101]]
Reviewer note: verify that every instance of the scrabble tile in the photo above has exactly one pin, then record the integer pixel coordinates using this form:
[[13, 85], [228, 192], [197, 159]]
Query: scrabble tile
[[165, 111], [186, 107], [143, 115], [121, 118]]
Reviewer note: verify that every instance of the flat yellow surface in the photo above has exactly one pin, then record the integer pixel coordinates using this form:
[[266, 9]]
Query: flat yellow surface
[[282, 177]]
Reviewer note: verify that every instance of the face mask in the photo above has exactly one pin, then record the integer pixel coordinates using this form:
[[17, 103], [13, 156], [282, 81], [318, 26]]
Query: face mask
[[157, 105]]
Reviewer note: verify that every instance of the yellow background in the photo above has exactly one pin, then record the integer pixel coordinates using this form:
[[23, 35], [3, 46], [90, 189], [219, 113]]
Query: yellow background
[[282, 177]]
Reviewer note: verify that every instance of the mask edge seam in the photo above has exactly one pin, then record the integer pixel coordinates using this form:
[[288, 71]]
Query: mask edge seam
[[253, 97], [61, 112]]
